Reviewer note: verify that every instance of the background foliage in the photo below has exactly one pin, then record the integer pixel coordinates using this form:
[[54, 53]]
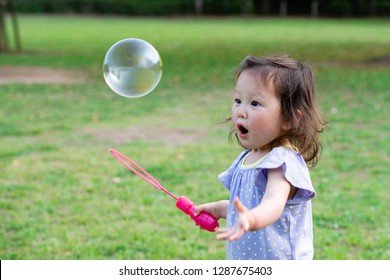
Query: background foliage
[[209, 7]]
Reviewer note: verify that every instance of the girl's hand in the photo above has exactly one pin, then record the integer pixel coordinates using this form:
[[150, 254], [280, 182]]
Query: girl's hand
[[266, 213], [217, 209], [245, 222]]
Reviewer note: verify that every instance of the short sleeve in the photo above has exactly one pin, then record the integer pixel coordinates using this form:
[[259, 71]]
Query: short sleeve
[[295, 171]]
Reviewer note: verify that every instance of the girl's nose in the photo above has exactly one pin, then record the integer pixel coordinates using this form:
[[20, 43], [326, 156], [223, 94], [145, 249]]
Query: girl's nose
[[242, 112]]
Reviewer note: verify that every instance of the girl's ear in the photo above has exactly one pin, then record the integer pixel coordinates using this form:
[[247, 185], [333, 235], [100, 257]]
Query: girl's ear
[[287, 125]]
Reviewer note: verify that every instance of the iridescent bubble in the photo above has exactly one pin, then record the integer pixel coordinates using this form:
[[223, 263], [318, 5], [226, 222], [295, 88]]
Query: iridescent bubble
[[132, 68]]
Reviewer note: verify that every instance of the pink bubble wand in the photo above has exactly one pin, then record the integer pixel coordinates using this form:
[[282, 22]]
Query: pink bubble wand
[[204, 220]]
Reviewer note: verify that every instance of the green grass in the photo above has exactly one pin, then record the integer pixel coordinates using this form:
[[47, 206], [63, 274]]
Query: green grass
[[63, 196]]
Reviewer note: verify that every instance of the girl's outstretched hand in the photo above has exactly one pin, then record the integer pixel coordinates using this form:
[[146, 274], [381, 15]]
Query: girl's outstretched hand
[[245, 221]]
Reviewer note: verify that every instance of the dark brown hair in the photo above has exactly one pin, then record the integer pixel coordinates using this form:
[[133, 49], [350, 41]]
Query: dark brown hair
[[293, 82]]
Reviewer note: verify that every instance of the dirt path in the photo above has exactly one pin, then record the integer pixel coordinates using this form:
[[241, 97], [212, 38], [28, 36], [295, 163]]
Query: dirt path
[[40, 75]]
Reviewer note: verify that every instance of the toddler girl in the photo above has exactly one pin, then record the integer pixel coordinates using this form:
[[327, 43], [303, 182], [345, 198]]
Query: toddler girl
[[275, 118]]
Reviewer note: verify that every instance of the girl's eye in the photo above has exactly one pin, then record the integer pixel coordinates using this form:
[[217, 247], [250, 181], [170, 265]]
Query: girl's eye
[[255, 103], [237, 101]]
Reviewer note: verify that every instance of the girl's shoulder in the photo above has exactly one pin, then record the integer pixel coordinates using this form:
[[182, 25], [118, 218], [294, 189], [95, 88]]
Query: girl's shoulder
[[294, 168], [274, 159], [283, 155], [292, 163]]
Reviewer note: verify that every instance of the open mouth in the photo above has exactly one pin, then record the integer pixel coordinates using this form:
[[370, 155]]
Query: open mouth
[[242, 129]]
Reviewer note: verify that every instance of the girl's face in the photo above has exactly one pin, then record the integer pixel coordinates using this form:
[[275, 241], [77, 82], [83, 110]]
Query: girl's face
[[256, 112]]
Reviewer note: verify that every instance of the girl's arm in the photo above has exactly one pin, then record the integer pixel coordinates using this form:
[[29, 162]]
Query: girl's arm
[[218, 209], [266, 213]]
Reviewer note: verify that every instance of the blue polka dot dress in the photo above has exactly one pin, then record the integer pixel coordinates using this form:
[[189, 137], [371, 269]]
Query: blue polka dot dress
[[291, 236]]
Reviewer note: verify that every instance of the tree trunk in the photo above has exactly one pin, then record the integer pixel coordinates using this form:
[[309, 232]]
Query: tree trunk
[[266, 7], [226, 7], [3, 35], [15, 25], [283, 8], [373, 4], [198, 4], [314, 8]]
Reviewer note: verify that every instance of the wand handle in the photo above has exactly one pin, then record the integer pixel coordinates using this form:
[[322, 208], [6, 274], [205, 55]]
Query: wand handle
[[204, 220]]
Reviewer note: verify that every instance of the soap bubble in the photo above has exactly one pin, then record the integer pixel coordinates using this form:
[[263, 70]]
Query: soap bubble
[[132, 68]]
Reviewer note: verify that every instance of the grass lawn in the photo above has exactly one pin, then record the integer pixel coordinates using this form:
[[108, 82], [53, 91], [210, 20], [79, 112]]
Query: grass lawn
[[63, 196]]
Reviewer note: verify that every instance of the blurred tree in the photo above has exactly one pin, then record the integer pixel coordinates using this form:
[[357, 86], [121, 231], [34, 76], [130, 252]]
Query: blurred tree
[[226, 7], [339, 8], [314, 8], [5, 7], [372, 7], [266, 7], [283, 8], [198, 5], [3, 34]]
